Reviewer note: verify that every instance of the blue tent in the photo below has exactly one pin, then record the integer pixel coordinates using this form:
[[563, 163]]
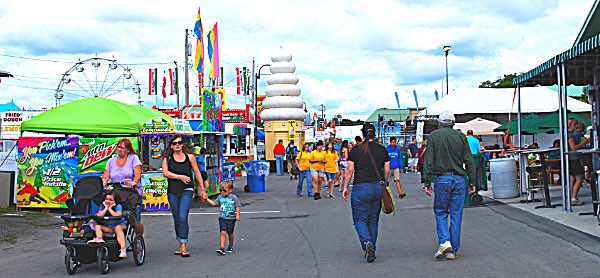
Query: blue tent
[[11, 106]]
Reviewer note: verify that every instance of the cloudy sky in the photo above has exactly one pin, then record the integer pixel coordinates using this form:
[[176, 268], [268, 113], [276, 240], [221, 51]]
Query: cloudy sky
[[351, 56]]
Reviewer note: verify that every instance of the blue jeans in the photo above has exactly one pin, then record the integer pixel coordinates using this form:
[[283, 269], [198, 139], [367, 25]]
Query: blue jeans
[[180, 207], [366, 206], [305, 174], [449, 200], [279, 164]]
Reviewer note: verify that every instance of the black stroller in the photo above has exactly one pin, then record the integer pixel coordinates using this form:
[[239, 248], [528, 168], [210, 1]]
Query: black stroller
[[87, 197]]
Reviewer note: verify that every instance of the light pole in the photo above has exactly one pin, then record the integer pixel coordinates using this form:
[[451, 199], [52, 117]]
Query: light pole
[[446, 50], [257, 76]]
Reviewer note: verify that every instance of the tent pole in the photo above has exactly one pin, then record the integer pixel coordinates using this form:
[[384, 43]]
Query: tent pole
[[564, 166], [519, 116], [522, 158]]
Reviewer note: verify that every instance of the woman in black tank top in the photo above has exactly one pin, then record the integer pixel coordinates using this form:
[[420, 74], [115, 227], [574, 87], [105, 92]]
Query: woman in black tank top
[[177, 166]]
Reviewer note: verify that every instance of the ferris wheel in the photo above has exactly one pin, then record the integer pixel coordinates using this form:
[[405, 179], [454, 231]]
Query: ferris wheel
[[97, 77]]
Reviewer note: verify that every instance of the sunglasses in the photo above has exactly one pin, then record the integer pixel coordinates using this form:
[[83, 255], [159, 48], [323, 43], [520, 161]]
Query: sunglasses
[[176, 143], [223, 189]]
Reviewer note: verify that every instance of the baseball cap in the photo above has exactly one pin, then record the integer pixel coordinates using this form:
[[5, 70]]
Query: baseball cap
[[368, 126], [446, 117]]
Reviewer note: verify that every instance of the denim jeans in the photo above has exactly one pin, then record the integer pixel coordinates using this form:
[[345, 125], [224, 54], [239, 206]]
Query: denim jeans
[[180, 208], [449, 200], [366, 206], [305, 174], [279, 164]]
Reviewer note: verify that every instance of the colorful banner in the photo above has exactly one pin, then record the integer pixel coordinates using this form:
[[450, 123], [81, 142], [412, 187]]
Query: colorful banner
[[213, 52], [212, 181], [221, 92], [211, 110], [199, 57], [45, 165], [157, 126], [94, 153], [10, 122], [152, 82], [154, 194]]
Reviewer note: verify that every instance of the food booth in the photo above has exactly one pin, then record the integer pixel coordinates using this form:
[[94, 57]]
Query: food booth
[[77, 139]]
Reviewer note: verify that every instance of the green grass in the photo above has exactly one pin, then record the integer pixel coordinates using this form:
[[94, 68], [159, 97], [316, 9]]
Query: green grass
[[7, 210], [36, 215]]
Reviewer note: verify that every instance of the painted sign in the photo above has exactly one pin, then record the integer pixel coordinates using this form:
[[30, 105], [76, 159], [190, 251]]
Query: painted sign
[[154, 192], [157, 126], [213, 180], [10, 123], [211, 110], [45, 165], [292, 129], [94, 153]]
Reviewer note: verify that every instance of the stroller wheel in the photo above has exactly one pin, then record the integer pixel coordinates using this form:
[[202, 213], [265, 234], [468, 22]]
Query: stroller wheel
[[139, 250], [103, 263], [476, 200], [70, 261]]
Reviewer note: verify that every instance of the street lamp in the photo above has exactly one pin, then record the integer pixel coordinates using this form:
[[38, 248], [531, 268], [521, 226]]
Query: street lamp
[[257, 76], [446, 50]]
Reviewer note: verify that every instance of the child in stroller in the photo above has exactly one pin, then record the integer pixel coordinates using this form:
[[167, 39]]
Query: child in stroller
[[89, 209], [117, 226]]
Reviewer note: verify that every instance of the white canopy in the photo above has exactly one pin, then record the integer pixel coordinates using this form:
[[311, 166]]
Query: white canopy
[[500, 100], [479, 127]]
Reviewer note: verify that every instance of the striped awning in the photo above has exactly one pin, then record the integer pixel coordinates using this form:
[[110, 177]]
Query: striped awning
[[576, 51]]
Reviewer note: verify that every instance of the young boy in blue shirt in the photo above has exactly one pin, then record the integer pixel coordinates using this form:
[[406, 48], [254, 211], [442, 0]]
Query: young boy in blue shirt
[[230, 213]]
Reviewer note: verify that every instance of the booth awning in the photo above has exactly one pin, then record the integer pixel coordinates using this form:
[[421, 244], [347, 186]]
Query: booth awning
[[94, 116]]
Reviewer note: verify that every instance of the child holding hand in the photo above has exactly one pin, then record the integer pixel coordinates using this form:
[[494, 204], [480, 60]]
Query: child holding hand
[[118, 226], [230, 213]]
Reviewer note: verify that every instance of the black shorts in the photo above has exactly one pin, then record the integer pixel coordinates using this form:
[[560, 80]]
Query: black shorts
[[203, 175], [575, 167], [226, 225]]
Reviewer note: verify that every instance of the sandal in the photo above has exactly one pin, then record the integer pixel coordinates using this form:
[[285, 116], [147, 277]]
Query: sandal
[[185, 254], [402, 195], [178, 252]]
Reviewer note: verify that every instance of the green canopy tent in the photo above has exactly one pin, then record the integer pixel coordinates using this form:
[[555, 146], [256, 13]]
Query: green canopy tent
[[93, 116], [530, 125], [552, 120]]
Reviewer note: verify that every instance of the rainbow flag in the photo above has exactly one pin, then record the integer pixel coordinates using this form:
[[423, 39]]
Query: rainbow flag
[[213, 52], [199, 58]]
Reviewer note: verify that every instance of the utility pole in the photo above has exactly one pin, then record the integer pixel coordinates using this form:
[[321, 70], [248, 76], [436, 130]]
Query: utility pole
[[323, 115], [186, 82], [254, 90]]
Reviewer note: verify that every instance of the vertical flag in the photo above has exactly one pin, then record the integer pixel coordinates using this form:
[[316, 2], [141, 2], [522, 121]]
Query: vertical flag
[[416, 101], [164, 90], [199, 57], [173, 80], [213, 52], [436, 95], [151, 82], [238, 80], [397, 100]]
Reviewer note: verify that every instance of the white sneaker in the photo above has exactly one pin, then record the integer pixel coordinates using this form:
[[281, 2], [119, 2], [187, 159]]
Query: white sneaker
[[451, 256], [123, 253], [444, 248]]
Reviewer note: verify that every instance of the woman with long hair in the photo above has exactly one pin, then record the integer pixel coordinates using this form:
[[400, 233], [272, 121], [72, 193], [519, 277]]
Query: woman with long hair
[[177, 167], [331, 157], [369, 162], [344, 150], [126, 168], [303, 163], [317, 168]]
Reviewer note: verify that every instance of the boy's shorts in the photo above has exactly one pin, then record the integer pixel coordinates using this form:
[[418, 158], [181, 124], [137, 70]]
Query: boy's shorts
[[394, 175], [226, 225]]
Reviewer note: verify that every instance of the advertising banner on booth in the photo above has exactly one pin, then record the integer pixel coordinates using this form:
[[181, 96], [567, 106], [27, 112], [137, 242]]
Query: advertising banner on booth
[[157, 126], [154, 194], [94, 153], [45, 165]]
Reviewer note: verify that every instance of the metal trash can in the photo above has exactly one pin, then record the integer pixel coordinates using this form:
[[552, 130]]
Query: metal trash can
[[503, 172], [256, 175]]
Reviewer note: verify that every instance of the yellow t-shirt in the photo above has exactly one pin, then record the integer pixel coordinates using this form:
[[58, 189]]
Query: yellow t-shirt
[[304, 160], [331, 158], [317, 155]]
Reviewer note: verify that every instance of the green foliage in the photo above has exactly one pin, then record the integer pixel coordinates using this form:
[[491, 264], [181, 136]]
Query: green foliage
[[501, 82], [19, 178], [347, 122], [37, 182]]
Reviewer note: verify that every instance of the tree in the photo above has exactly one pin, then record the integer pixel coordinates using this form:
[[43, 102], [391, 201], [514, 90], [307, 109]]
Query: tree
[[502, 82]]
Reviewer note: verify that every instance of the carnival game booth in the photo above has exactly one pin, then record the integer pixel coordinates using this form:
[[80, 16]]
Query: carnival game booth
[[77, 139]]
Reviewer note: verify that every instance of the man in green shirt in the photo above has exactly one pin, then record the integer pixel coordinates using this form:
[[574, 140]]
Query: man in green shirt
[[447, 151]]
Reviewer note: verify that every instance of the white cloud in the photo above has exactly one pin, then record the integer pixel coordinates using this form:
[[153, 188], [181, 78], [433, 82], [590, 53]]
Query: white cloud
[[351, 56]]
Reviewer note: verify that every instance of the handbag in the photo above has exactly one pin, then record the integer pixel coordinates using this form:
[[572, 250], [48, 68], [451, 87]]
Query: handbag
[[387, 201]]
